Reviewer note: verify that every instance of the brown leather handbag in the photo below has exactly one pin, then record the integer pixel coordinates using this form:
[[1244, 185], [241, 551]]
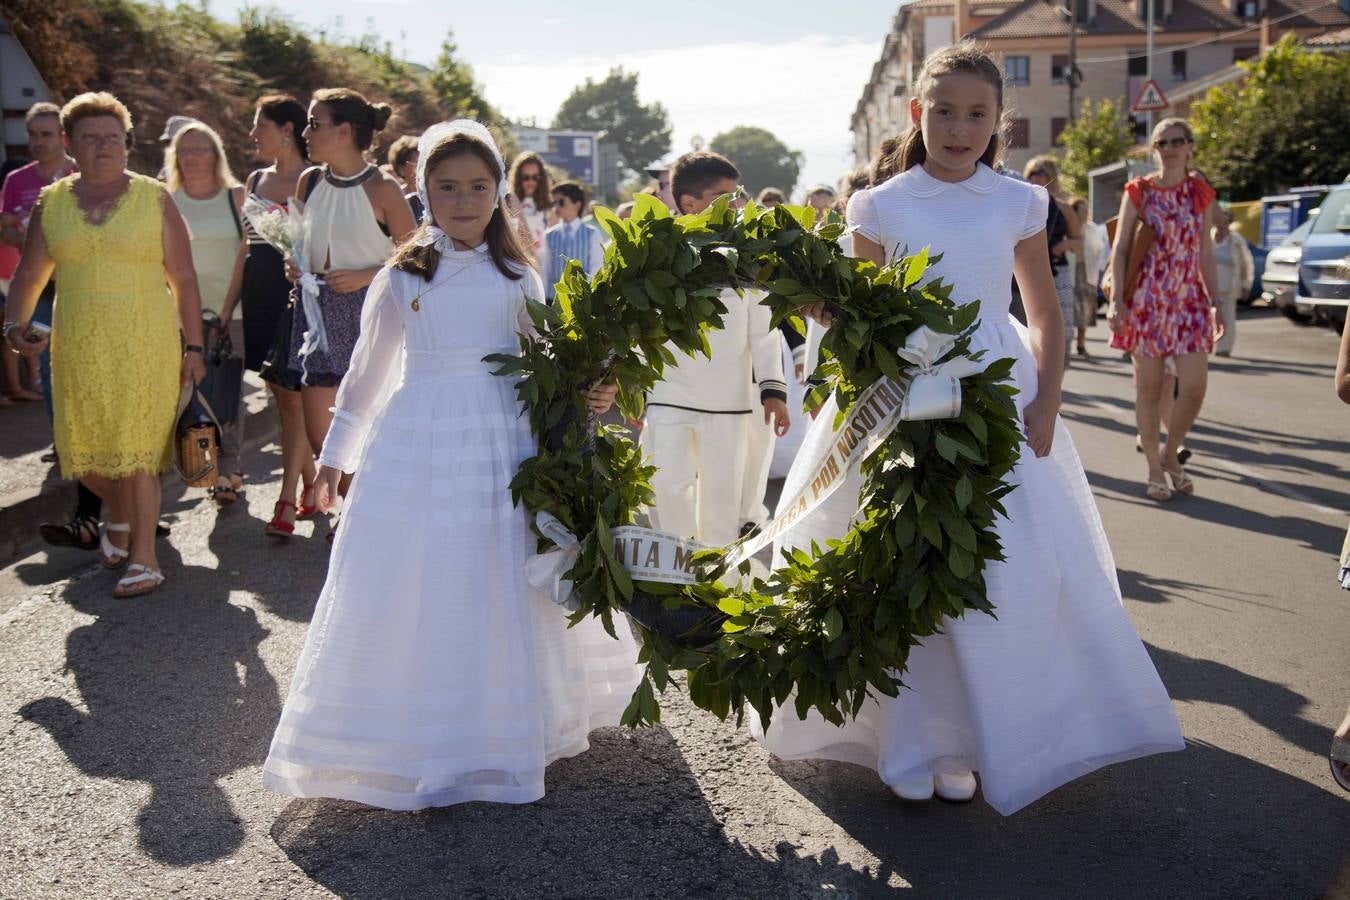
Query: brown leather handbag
[[1140, 241]]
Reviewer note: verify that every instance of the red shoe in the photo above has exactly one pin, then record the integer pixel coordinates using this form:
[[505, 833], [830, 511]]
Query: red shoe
[[279, 527], [306, 511]]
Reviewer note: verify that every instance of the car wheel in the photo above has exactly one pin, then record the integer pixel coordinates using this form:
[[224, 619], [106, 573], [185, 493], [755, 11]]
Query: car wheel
[[1292, 314]]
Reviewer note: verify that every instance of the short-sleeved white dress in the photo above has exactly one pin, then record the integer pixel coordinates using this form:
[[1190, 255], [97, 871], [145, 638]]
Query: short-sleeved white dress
[[433, 673], [1059, 684]]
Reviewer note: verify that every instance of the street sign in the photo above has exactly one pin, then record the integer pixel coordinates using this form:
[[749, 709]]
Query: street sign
[[572, 151], [1150, 99]]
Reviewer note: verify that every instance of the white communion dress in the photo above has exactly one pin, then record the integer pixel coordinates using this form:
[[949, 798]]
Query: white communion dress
[[433, 673], [1059, 684]]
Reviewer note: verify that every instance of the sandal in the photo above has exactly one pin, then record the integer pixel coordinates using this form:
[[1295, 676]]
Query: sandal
[[80, 532], [139, 580], [109, 554], [224, 492], [1181, 482], [1340, 756], [307, 510], [279, 527], [1159, 491]]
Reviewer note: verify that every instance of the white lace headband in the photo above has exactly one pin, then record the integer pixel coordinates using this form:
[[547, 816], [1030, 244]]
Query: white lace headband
[[438, 133]]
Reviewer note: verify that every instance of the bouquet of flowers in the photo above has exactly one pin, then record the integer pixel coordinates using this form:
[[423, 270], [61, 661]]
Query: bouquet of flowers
[[286, 230]]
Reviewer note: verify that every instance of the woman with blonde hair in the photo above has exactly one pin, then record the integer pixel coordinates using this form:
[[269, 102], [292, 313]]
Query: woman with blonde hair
[[1169, 312], [211, 201], [112, 239]]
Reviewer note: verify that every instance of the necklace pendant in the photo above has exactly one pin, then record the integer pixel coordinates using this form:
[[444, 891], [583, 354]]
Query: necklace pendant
[[417, 303]]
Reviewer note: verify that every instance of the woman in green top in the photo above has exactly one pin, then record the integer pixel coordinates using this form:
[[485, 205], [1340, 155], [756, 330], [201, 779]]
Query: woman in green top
[[211, 202]]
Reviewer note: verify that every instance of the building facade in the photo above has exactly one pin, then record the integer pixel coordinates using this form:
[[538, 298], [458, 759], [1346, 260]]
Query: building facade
[[1196, 45]]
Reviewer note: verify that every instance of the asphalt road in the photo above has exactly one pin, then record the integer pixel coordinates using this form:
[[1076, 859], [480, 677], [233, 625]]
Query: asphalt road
[[134, 732]]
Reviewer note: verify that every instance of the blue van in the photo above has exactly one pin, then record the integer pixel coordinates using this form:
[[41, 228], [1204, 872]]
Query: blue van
[[1323, 288]]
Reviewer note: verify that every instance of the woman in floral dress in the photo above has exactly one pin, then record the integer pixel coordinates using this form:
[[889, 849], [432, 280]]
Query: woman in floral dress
[[1170, 312]]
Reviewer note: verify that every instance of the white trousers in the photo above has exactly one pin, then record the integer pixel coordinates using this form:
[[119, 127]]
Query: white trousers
[[700, 461], [759, 446]]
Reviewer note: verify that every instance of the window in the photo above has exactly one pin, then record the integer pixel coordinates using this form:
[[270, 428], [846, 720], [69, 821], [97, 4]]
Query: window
[[1057, 126], [1138, 66], [1241, 53], [1018, 133], [1059, 68], [1178, 65], [1247, 9], [1017, 70], [1140, 128]]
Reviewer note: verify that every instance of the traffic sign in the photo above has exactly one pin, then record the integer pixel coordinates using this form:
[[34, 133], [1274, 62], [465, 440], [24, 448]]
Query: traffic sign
[[1150, 99]]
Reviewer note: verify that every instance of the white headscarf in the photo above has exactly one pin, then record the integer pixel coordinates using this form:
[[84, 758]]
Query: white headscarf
[[426, 143]]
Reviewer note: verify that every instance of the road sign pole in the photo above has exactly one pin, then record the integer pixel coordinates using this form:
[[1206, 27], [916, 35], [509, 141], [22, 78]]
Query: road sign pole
[[1148, 62]]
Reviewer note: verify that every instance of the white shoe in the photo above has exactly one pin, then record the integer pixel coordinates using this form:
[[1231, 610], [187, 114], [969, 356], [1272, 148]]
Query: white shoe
[[916, 787], [957, 788]]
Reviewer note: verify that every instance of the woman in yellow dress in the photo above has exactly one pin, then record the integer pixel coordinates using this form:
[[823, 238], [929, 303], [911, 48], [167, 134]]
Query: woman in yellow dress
[[111, 238]]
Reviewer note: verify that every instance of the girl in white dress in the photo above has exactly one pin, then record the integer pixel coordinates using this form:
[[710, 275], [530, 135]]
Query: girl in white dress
[[1059, 683], [433, 673]]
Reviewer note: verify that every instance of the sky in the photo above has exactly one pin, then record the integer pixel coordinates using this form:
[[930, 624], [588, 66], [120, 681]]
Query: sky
[[795, 68]]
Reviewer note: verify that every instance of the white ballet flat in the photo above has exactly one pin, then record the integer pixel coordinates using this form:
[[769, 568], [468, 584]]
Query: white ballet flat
[[914, 788], [111, 555], [957, 788]]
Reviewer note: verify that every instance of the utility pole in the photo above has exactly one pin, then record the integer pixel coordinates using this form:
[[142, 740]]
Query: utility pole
[[1148, 62]]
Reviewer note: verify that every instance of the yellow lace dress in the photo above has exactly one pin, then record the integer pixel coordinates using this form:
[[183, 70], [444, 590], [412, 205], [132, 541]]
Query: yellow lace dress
[[115, 346]]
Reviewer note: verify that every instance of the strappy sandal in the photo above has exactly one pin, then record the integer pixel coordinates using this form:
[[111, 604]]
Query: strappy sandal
[[139, 580], [1340, 756], [72, 533], [1159, 491], [279, 527], [110, 555], [1181, 482], [307, 510], [225, 494]]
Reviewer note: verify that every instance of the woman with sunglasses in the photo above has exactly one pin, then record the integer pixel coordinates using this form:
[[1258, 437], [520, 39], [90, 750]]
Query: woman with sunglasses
[[1170, 311], [531, 199]]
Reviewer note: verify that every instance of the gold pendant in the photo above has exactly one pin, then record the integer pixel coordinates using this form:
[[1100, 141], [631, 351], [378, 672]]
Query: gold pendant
[[416, 304]]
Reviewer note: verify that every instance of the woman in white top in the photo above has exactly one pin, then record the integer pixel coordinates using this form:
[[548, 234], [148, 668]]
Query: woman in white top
[[1233, 260], [355, 214], [531, 200], [211, 202]]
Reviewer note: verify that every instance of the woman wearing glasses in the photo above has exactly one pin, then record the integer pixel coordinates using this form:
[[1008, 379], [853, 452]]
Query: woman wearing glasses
[[1170, 312], [531, 199], [112, 239]]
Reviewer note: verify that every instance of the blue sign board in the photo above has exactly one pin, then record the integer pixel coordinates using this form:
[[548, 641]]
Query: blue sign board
[[572, 151]]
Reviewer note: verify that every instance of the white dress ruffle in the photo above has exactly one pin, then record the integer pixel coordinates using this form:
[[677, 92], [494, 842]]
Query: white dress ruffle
[[433, 672], [1057, 685]]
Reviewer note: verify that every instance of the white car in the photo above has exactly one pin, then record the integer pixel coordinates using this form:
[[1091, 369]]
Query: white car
[[1280, 278]]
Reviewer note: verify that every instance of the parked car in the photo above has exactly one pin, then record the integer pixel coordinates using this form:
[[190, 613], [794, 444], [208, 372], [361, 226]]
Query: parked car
[[1323, 287], [1280, 275]]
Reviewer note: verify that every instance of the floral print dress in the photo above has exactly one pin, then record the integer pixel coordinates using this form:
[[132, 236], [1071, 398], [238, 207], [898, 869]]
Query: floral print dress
[[1168, 313]]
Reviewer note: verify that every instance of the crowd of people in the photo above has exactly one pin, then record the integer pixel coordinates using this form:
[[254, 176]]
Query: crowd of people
[[371, 343]]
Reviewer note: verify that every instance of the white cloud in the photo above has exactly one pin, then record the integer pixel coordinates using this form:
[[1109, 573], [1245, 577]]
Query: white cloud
[[803, 91]]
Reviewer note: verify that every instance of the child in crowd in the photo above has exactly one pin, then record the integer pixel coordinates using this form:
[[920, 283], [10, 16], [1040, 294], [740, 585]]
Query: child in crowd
[[1058, 684], [571, 238], [698, 415], [433, 672]]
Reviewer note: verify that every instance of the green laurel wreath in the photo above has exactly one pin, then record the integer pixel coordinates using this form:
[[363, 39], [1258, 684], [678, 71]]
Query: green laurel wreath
[[828, 627]]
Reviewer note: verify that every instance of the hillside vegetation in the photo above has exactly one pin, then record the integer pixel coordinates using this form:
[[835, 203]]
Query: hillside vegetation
[[183, 61]]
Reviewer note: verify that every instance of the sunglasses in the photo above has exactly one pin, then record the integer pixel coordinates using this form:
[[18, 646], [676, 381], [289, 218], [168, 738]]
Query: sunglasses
[[1174, 143], [529, 178], [315, 124], [561, 201]]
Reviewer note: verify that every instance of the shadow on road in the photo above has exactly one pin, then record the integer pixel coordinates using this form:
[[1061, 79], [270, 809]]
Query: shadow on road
[[625, 819], [176, 697]]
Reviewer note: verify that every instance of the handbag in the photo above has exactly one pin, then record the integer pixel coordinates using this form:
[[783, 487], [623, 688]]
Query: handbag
[[196, 440], [275, 368], [1140, 241], [223, 385]]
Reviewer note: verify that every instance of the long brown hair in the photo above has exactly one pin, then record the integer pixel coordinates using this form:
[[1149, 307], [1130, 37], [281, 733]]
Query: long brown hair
[[508, 253], [964, 57], [543, 191]]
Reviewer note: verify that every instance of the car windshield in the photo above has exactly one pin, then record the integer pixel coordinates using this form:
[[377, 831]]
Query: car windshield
[[1295, 237], [1334, 215]]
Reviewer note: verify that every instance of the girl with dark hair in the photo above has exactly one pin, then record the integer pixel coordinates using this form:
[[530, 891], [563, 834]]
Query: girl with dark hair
[[1058, 684], [278, 137], [531, 198], [354, 216], [434, 673]]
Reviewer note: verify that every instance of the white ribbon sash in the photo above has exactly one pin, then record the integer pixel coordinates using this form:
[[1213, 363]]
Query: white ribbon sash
[[930, 390]]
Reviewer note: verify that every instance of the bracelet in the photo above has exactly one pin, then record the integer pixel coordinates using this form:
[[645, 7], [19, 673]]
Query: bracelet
[[194, 348]]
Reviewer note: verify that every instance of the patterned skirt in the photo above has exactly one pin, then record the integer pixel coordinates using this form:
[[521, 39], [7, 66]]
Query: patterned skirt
[[342, 324]]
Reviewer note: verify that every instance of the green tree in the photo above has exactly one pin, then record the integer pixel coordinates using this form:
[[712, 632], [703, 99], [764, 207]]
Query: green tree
[[1280, 127], [611, 107], [452, 81], [763, 159], [1102, 134]]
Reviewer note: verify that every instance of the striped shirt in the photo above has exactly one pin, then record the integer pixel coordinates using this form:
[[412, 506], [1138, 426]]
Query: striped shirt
[[570, 240]]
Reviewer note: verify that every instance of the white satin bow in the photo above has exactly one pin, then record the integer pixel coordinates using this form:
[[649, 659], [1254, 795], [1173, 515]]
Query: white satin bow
[[935, 390], [316, 337], [545, 570]]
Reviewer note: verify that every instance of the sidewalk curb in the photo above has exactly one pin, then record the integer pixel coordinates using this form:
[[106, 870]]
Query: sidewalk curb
[[23, 511]]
